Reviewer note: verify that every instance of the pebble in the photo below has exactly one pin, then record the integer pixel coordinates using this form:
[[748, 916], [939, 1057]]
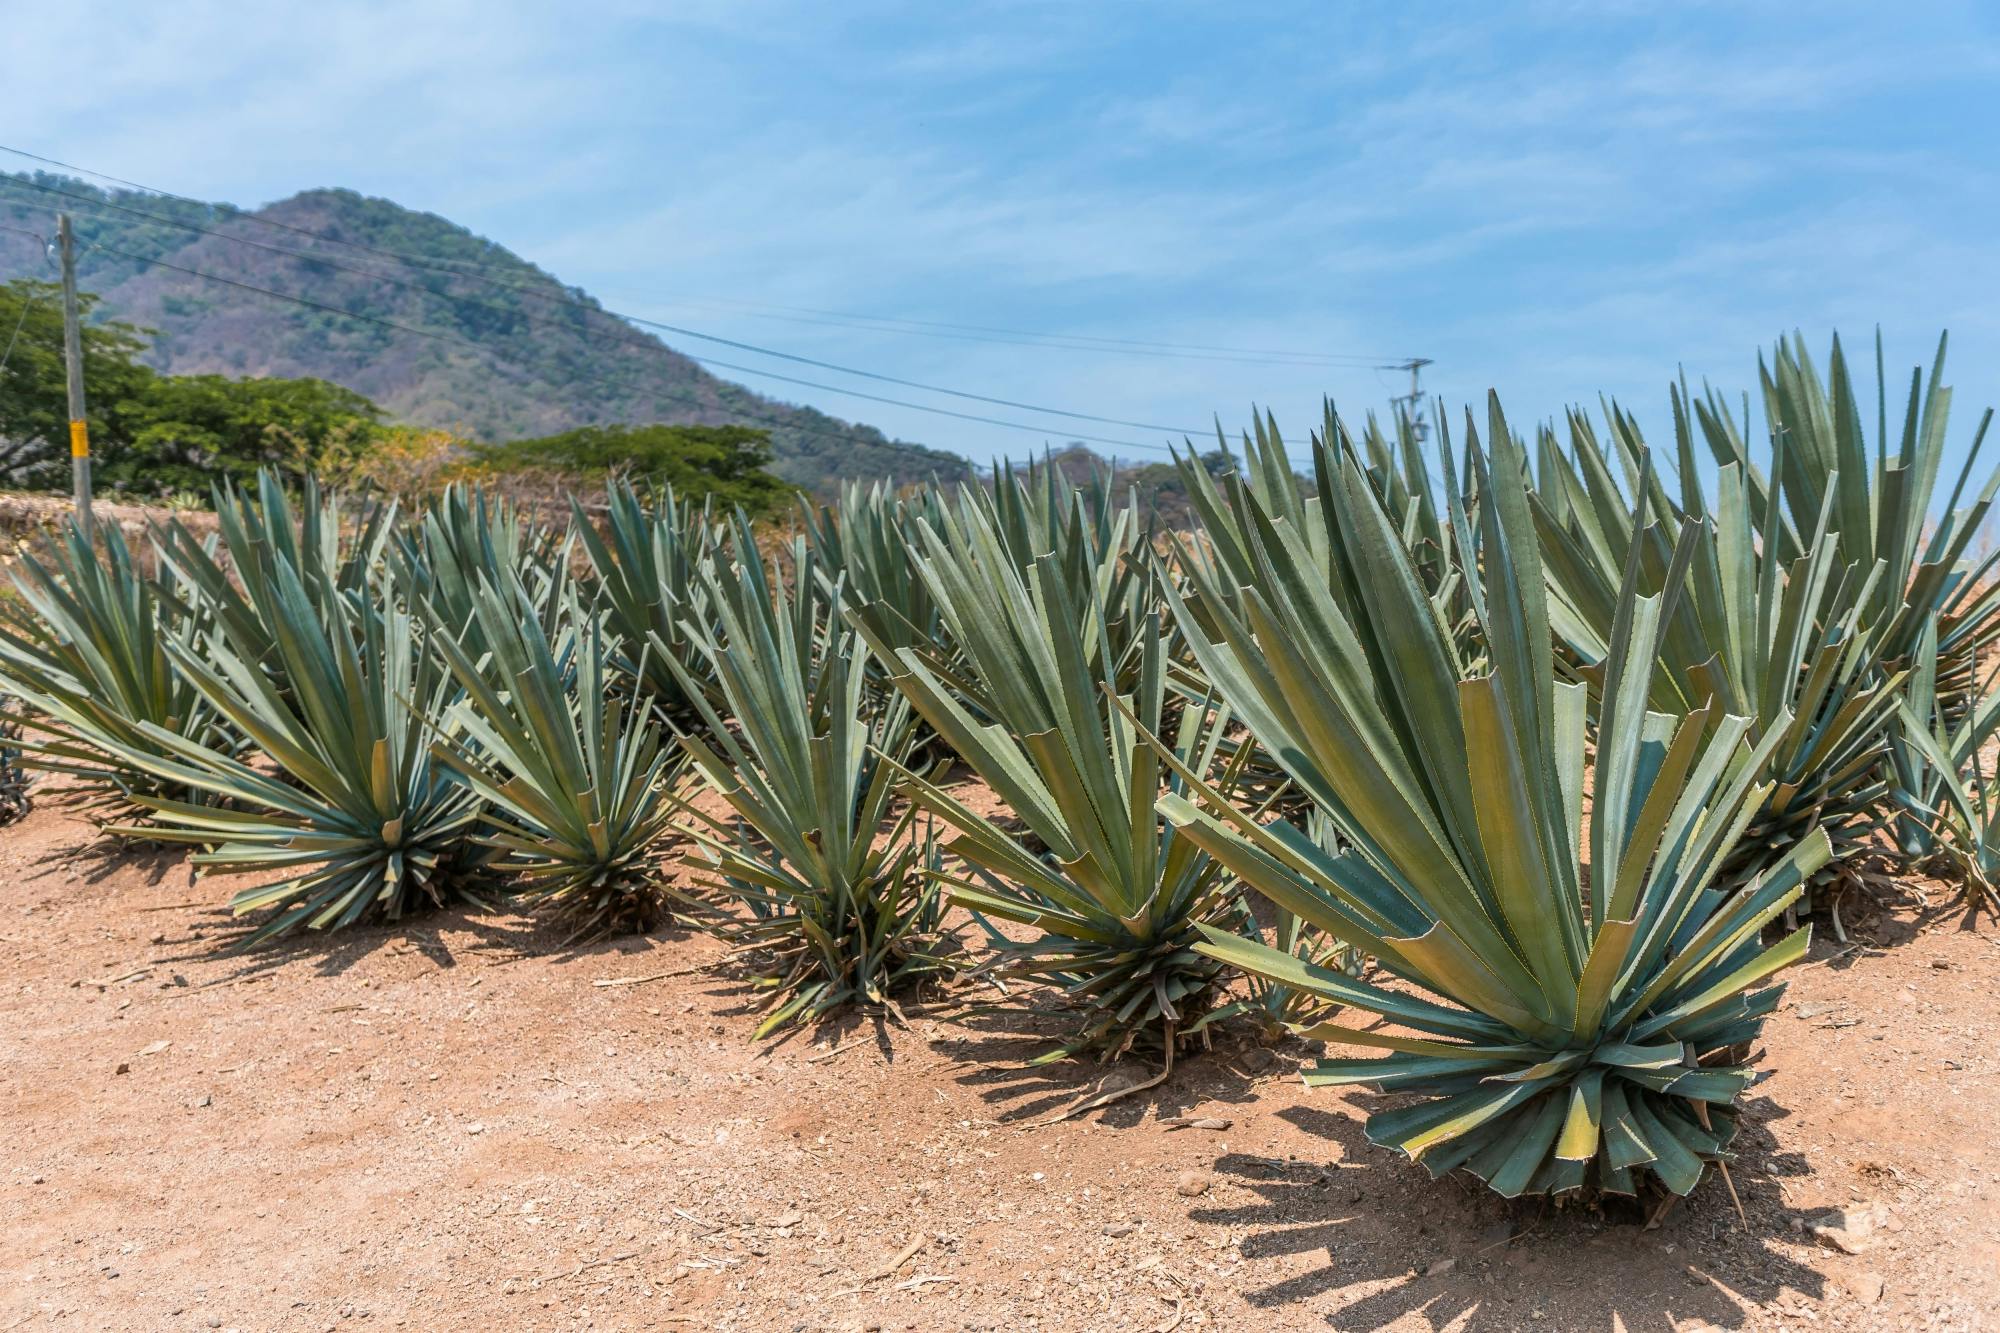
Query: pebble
[[1192, 1183], [475, 1128]]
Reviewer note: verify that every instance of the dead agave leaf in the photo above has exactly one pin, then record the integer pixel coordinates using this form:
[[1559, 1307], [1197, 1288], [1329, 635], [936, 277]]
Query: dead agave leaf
[[1195, 1122]]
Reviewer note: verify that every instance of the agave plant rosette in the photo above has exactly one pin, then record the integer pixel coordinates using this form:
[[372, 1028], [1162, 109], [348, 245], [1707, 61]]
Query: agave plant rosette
[[1568, 1006], [85, 651], [576, 779], [838, 885], [347, 805], [1115, 896]]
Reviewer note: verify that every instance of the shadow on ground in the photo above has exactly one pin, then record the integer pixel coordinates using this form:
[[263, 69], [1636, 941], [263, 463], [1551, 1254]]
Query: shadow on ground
[[1452, 1253]]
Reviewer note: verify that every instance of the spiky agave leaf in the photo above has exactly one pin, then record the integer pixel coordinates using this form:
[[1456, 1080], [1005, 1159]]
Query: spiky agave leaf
[[85, 650], [1575, 1002], [839, 888], [576, 778], [350, 809], [1117, 897]]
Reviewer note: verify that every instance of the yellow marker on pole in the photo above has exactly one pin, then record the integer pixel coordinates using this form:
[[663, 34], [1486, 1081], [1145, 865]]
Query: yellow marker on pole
[[79, 439]]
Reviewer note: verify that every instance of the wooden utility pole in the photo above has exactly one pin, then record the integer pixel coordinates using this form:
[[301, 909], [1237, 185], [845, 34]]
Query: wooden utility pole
[[79, 427]]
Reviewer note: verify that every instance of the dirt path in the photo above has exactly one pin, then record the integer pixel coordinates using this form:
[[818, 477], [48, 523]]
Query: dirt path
[[452, 1125]]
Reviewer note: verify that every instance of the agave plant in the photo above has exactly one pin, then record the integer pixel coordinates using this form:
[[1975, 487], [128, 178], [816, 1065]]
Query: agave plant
[[862, 547], [1780, 641], [465, 537], [1116, 897], [577, 781], [349, 809], [648, 568], [1951, 807], [838, 886], [1568, 1006], [1883, 504], [85, 650], [330, 553]]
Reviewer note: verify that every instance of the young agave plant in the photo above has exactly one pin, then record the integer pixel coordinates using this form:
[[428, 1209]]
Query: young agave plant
[[85, 650], [1571, 1005], [1935, 581], [1117, 897], [648, 569], [358, 820], [576, 780], [839, 887]]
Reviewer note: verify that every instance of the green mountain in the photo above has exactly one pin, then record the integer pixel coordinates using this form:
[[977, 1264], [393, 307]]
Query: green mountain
[[402, 318]]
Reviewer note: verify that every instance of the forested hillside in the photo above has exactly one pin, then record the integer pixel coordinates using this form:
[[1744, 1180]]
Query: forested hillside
[[439, 326]]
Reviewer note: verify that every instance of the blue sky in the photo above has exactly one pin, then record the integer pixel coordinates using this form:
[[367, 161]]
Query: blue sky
[[1555, 199]]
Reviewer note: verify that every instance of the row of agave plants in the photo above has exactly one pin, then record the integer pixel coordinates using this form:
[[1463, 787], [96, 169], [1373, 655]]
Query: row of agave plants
[[1534, 760]]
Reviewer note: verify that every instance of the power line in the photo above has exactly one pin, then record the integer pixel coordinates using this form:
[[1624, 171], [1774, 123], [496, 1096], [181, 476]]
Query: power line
[[677, 330], [1139, 347], [1198, 351], [705, 361], [1042, 341]]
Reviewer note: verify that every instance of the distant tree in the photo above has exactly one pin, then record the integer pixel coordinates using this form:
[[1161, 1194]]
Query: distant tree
[[726, 463], [150, 434], [185, 432], [34, 402]]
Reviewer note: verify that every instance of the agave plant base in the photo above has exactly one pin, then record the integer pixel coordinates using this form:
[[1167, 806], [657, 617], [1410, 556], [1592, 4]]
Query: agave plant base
[[807, 992], [627, 906], [1645, 1137], [1152, 1001]]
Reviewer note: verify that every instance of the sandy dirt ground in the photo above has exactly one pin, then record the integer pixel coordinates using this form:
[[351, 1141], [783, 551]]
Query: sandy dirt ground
[[457, 1123]]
